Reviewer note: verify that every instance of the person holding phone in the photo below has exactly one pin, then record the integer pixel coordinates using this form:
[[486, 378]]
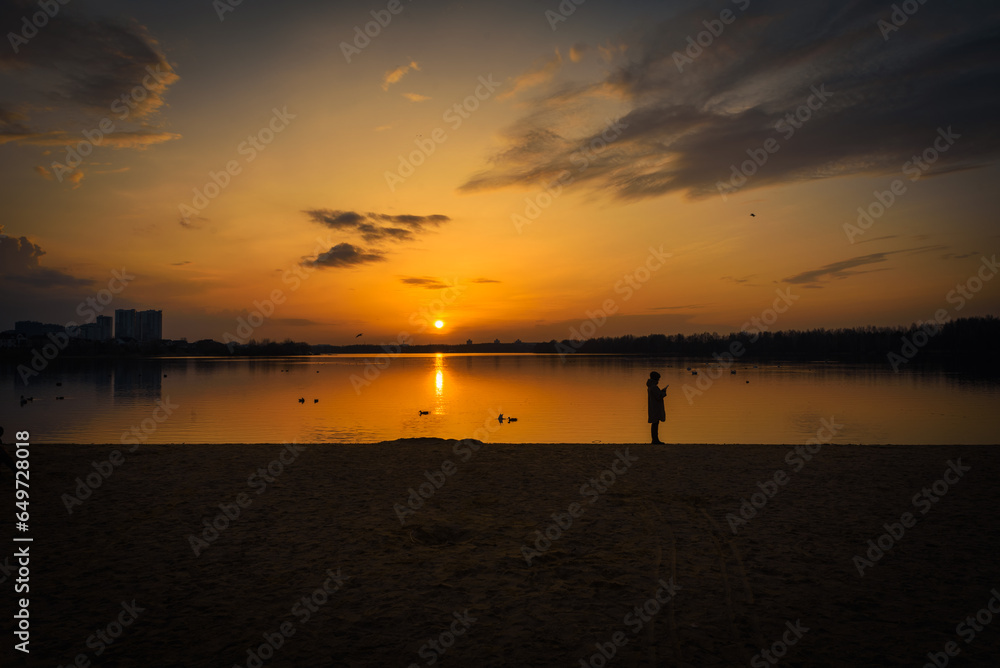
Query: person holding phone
[[657, 413]]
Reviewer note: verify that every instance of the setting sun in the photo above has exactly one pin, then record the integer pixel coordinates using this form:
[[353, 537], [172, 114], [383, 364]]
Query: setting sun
[[439, 323]]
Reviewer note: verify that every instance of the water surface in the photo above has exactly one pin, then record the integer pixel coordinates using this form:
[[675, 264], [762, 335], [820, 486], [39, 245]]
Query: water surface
[[570, 399]]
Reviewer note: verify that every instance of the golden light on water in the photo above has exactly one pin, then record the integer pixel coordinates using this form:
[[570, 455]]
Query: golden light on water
[[439, 375]]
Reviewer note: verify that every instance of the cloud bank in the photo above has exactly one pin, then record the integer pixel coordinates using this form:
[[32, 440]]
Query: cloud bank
[[692, 113]]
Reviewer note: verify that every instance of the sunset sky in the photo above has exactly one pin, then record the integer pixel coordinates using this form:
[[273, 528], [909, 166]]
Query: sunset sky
[[545, 163]]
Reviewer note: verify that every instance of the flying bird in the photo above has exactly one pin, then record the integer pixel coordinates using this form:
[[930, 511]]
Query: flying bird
[[359, 335], [424, 412], [753, 215]]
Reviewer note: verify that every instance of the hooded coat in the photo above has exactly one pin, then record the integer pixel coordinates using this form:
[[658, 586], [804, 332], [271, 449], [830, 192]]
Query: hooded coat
[[656, 411]]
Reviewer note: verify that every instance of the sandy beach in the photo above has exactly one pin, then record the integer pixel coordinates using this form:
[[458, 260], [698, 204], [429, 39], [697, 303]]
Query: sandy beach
[[430, 552]]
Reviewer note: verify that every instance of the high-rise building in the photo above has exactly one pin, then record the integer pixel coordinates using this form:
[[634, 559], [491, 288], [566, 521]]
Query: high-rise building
[[96, 331], [105, 328], [126, 323], [150, 325]]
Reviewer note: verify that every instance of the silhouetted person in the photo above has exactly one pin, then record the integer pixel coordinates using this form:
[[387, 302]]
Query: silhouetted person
[[657, 413], [4, 456]]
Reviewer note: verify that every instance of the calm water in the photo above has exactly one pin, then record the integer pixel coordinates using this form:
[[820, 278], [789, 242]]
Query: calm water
[[573, 400]]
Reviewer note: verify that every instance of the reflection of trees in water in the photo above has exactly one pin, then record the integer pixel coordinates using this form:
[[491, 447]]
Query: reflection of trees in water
[[138, 378]]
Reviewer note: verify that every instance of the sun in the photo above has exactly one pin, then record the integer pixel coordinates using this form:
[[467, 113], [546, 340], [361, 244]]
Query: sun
[[439, 323]]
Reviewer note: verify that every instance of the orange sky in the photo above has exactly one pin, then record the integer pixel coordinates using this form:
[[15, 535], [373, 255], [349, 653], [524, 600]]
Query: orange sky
[[639, 144]]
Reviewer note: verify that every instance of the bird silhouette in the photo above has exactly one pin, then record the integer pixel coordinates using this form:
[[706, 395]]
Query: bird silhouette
[[315, 401], [753, 215], [60, 398], [510, 419], [424, 412], [362, 333], [500, 418], [302, 400]]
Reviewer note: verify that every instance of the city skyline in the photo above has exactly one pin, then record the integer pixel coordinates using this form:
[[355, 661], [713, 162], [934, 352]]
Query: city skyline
[[126, 324]]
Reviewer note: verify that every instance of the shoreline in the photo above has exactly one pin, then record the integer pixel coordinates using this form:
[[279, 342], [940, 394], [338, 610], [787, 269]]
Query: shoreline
[[614, 526]]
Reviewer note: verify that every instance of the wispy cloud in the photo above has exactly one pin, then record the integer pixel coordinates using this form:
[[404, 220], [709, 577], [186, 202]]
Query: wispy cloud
[[686, 307], [851, 267], [542, 72], [365, 222], [745, 280], [138, 140], [425, 282], [394, 76], [432, 283], [882, 238], [685, 129], [415, 97]]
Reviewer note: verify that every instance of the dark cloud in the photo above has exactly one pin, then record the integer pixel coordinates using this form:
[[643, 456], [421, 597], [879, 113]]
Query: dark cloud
[[415, 222], [338, 220], [87, 62], [19, 264], [425, 282], [365, 223], [485, 280], [682, 131], [373, 233], [367, 226], [846, 268], [74, 72], [180, 264], [345, 255]]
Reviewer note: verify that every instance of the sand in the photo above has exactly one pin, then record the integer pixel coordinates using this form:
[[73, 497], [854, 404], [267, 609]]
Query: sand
[[456, 572]]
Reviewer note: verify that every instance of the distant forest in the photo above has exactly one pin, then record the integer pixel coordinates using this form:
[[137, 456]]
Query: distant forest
[[965, 337], [965, 340]]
